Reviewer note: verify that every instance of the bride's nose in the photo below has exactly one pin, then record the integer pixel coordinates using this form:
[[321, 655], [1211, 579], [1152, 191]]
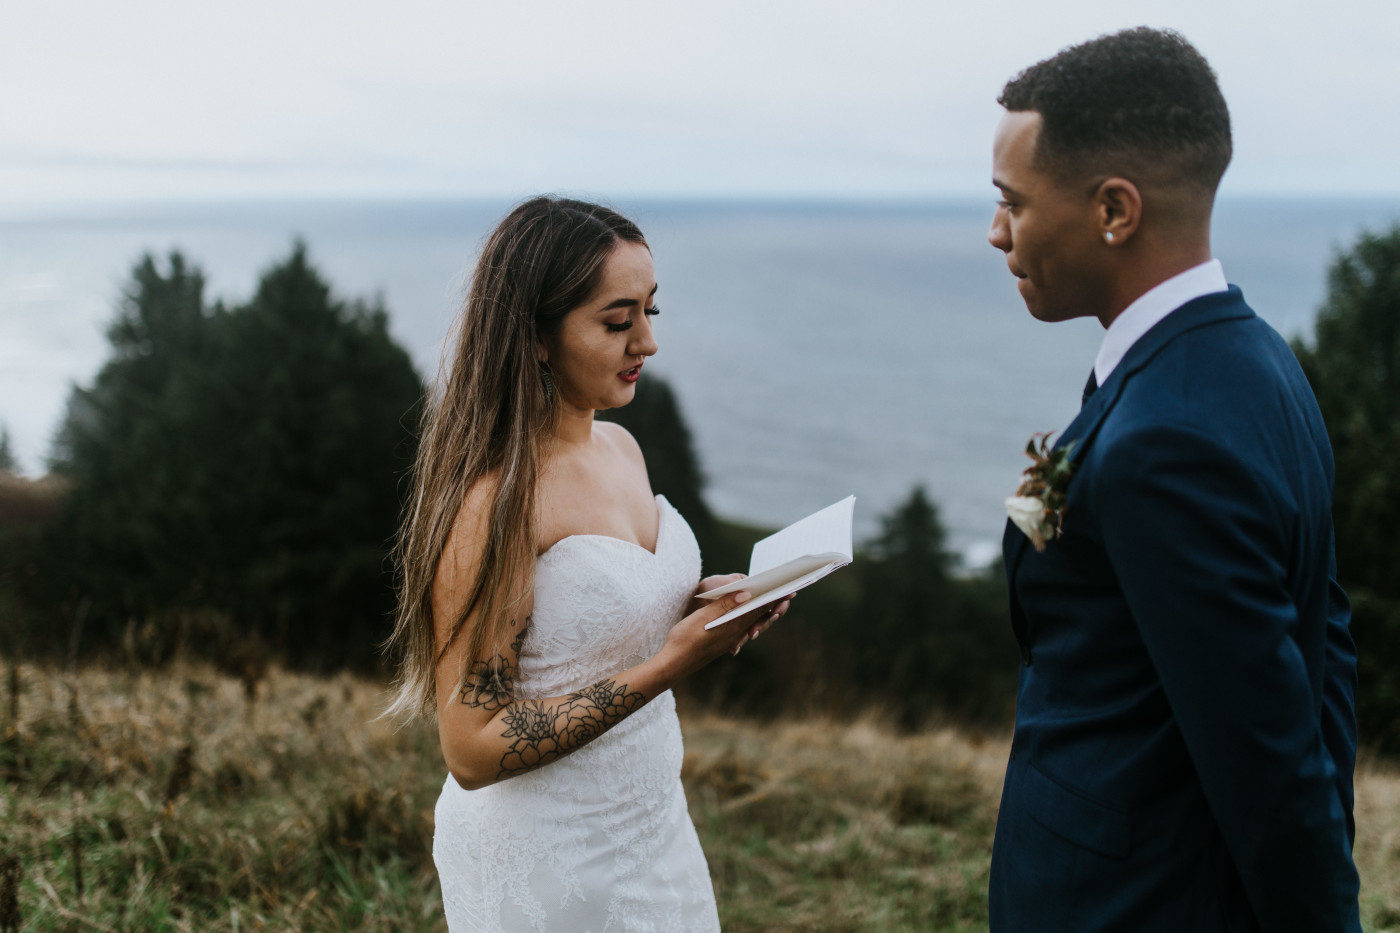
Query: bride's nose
[[643, 342]]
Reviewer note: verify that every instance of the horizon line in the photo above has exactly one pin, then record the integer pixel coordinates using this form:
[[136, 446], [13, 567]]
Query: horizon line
[[46, 206]]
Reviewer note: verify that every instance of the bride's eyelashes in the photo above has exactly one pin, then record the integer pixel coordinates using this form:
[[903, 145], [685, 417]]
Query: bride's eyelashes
[[627, 324]]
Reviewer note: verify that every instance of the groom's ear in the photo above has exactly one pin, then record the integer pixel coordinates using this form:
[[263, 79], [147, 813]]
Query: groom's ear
[[1117, 210]]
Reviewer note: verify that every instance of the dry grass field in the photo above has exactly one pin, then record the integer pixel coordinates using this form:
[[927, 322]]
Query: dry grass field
[[173, 800]]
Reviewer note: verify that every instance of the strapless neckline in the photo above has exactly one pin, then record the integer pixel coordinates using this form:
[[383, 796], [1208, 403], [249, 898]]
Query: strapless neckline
[[626, 545]]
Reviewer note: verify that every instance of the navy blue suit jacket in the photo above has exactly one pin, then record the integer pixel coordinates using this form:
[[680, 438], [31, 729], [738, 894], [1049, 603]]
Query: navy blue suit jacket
[[1185, 721]]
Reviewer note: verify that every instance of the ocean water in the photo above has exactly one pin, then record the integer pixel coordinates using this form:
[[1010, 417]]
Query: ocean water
[[818, 349]]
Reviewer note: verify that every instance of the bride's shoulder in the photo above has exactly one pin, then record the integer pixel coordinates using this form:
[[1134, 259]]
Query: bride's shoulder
[[470, 524], [621, 441]]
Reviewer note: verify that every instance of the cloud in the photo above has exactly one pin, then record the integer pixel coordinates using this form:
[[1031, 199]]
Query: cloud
[[151, 98]]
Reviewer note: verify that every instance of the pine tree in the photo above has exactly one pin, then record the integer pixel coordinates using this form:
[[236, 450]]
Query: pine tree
[[244, 460], [8, 463], [1354, 368]]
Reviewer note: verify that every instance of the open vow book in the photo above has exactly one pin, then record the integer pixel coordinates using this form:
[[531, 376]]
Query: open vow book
[[798, 556]]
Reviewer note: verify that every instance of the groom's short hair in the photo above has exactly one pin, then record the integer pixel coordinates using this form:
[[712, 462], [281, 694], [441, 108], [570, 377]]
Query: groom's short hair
[[1140, 101]]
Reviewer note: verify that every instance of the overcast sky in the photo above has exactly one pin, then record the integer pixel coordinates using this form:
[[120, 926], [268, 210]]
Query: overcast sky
[[619, 99]]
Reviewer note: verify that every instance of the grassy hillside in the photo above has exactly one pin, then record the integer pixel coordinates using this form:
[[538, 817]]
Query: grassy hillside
[[174, 800]]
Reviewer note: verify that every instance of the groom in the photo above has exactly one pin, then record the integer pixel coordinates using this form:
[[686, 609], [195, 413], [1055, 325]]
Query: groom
[[1185, 734]]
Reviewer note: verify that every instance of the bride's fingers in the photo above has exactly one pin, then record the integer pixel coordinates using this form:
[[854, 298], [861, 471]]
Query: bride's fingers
[[758, 628], [779, 611], [762, 626], [718, 580], [776, 613]]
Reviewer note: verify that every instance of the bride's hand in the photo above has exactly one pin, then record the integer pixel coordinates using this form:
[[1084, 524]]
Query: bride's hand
[[690, 646], [775, 613], [712, 583], [755, 628]]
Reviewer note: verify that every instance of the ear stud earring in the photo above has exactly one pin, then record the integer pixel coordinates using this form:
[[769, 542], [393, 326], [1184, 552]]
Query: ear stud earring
[[1108, 236]]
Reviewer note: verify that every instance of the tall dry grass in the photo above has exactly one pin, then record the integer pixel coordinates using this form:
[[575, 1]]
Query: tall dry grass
[[172, 800], [1378, 843], [820, 826]]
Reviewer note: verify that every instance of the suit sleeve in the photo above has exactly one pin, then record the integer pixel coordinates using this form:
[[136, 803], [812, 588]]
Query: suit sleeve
[[1339, 693], [1200, 547]]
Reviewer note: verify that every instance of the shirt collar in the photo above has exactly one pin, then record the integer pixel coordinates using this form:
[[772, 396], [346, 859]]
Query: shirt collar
[[1150, 307]]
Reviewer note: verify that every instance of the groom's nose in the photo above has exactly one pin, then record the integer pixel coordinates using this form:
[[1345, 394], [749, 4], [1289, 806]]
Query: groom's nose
[[1000, 233]]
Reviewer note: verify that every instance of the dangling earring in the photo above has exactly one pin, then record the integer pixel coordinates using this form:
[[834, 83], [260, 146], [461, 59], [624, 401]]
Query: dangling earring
[[548, 386]]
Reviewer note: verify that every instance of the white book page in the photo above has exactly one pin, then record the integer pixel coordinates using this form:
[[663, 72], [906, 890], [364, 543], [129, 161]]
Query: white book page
[[827, 531], [796, 557]]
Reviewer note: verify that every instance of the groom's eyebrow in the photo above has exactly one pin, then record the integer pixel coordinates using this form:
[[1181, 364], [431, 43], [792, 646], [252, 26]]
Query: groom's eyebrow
[[1005, 188], [626, 302]]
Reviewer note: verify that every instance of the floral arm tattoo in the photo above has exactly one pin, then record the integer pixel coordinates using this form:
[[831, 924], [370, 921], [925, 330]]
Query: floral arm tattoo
[[490, 685], [542, 732]]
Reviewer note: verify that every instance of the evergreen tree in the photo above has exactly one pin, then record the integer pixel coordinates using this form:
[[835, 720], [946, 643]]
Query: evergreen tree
[[8, 463], [127, 443], [245, 460], [1354, 367], [904, 604], [317, 407], [925, 640]]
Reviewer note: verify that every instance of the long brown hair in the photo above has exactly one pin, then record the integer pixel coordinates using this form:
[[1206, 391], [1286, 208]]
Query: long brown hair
[[492, 414]]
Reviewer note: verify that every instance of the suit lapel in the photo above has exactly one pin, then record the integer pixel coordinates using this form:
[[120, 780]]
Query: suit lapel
[[1015, 543], [1200, 312]]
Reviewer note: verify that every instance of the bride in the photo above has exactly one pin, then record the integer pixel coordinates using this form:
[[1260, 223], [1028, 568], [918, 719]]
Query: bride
[[543, 611]]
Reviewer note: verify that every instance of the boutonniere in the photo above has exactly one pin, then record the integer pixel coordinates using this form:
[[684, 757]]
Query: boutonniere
[[1038, 508]]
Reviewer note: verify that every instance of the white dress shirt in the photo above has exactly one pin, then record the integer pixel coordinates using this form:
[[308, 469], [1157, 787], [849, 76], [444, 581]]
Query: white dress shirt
[[1153, 305]]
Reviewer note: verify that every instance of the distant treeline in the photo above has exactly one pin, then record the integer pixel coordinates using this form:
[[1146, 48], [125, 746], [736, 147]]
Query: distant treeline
[[229, 484]]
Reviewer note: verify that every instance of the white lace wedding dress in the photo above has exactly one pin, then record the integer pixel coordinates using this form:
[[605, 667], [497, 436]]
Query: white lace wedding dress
[[599, 840]]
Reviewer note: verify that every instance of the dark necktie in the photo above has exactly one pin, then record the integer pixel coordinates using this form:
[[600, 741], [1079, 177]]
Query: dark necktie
[[1090, 388]]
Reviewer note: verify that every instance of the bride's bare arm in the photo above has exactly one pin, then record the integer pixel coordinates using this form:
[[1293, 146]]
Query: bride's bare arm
[[488, 735]]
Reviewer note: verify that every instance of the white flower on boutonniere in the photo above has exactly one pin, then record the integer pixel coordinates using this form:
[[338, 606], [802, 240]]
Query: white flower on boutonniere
[[1039, 506], [1028, 513]]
